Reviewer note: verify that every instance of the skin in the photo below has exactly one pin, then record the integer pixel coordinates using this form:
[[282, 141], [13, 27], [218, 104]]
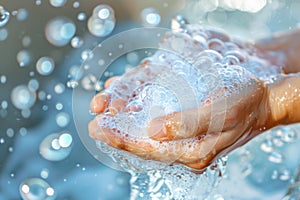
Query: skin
[[248, 113]]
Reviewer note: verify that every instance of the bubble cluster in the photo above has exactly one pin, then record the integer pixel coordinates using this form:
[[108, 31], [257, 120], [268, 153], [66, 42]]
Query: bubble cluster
[[36, 188], [59, 31], [56, 147], [102, 22]]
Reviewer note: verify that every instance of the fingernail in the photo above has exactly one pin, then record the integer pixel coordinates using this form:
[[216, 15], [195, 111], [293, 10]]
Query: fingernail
[[156, 129]]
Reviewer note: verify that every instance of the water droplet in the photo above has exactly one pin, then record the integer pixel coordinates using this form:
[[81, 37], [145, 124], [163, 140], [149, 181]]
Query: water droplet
[[26, 113], [26, 41], [45, 66], [10, 132], [59, 88], [36, 188], [76, 4], [178, 22], [75, 72], [132, 58], [56, 147], [23, 58], [23, 131], [88, 82], [275, 157], [267, 146], [22, 98], [42, 95], [3, 34], [87, 54], [76, 42], [57, 3], [22, 14], [4, 16], [150, 17], [59, 31], [81, 16], [288, 134], [62, 119], [59, 106], [284, 175], [33, 85], [4, 104], [45, 173], [3, 79]]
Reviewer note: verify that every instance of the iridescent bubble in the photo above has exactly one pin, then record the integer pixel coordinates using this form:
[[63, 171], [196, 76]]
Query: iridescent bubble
[[22, 98], [150, 17], [76, 42], [45, 66], [56, 147], [59, 31], [62, 119], [4, 16], [22, 14], [3, 34], [23, 58], [57, 3], [36, 189]]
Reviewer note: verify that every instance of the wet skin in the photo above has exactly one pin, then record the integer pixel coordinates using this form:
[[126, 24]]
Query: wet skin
[[248, 113]]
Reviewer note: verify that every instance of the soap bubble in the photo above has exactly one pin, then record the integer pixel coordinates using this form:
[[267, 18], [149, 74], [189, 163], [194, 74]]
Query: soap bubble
[[59, 31], [4, 16], [59, 88], [150, 17], [33, 85], [102, 22], [36, 189], [57, 3], [76, 42], [23, 58], [22, 14], [22, 98], [3, 34], [56, 147], [81, 16], [62, 119], [45, 66]]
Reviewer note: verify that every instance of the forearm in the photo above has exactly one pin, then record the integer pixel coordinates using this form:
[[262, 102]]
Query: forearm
[[284, 100]]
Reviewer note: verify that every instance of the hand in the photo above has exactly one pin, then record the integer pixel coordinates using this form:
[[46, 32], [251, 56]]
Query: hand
[[288, 43], [198, 135]]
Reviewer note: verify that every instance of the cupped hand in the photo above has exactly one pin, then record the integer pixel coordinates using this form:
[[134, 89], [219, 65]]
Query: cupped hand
[[198, 135]]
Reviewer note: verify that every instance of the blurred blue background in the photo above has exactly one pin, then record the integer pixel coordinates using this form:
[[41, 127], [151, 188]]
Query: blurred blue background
[[62, 33]]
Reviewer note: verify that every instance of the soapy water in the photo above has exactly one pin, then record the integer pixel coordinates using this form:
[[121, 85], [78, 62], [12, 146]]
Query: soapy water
[[197, 66], [193, 65]]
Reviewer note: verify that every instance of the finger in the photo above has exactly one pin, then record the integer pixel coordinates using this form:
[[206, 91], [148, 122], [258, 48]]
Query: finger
[[180, 125], [116, 106], [109, 81], [280, 40], [99, 102]]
